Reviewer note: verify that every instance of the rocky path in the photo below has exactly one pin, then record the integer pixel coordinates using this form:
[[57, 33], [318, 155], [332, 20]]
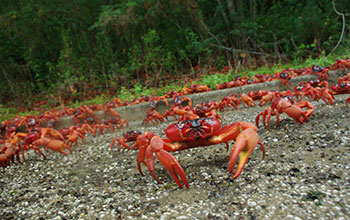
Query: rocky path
[[305, 175]]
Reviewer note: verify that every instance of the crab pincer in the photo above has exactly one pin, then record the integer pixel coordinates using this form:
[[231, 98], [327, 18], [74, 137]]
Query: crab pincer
[[168, 161], [244, 145], [156, 145]]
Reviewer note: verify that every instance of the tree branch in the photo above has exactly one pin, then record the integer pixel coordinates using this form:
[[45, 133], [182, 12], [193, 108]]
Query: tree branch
[[343, 29], [243, 51]]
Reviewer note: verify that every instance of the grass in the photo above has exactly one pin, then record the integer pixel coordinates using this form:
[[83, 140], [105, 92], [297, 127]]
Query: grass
[[211, 80]]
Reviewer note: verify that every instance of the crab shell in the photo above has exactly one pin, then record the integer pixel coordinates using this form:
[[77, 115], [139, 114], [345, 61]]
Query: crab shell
[[193, 130]]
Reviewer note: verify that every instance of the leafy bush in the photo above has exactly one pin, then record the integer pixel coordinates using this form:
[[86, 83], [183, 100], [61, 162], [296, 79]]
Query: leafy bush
[[54, 46]]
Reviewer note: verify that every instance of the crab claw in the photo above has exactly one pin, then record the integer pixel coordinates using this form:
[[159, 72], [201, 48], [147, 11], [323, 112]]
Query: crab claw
[[296, 112], [168, 161], [151, 143], [245, 144], [347, 101]]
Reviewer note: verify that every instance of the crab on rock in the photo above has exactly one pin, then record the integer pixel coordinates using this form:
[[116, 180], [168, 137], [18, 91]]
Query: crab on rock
[[199, 132]]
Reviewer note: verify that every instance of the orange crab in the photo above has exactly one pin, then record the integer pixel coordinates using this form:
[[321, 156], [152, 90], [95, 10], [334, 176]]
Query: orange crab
[[180, 107], [285, 77], [247, 101], [152, 115], [200, 132], [269, 97], [227, 102], [128, 136], [48, 138], [286, 104]]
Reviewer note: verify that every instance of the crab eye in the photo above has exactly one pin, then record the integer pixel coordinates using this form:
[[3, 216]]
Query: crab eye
[[196, 123], [178, 100], [182, 124], [207, 120], [283, 75], [317, 68]]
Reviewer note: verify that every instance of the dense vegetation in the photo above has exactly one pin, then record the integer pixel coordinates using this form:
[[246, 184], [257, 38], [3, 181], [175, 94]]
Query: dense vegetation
[[66, 47]]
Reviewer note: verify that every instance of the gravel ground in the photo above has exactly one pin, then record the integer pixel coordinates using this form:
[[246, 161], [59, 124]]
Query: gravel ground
[[303, 176]]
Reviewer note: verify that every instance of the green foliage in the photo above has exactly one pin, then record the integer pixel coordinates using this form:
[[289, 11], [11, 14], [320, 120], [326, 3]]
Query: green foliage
[[4, 110], [11, 112], [139, 90], [54, 46], [125, 94], [218, 78]]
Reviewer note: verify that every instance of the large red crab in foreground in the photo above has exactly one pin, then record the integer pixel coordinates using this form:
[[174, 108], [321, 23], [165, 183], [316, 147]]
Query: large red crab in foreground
[[199, 132]]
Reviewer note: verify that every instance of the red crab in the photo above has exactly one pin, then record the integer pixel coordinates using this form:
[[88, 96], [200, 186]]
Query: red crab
[[55, 145], [18, 142], [341, 64], [305, 89], [326, 94], [73, 137], [11, 148], [227, 102], [256, 95], [185, 113], [114, 119], [247, 101], [127, 137], [344, 79], [269, 97], [341, 88], [195, 88], [85, 114], [286, 104], [152, 115], [322, 72], [199, 132], [347, 101], [207, 109], [180, 103], [285, 77], [8, 152], [48, 138]]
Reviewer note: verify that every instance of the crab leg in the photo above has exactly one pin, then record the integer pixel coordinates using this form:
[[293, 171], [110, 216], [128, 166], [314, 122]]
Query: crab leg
[[268, 112], [120, 141], [141, 156], [143, 144], [36, 149], [150, 163]]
